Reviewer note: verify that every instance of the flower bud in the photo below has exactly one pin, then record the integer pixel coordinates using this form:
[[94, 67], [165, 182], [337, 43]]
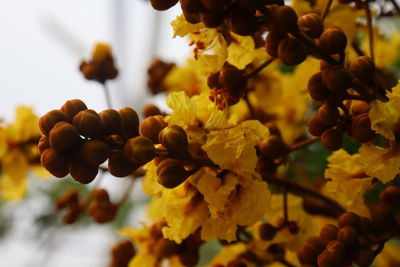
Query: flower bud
[[231, 78], [363, 68], [119, 165], [329, 114], [364, 257], [267, 231], [333, 40], [266, 165], [171, 173], [101, 52], [174, 138], [359, 107], [151, 127], [72, 107], [337, 78], [165, 248], [273, 147], [129, 122], [273, 129], [122, 253], [328, 233], [272, 42], [139, 150], [317, 89], [82, 172], [212, 19], [325, 259], [291, 51], [332, 139], [88, 123], [101, 195], [391, 196], [309, 252], [43, 144], [110, 121], [337, 250], [311, 24], [54, 162], [382, 216], [151, 110], [316, 126], [47, 121], [64, 136], [212, 80], [284, 19], [348, 235], [242, 22], [94, 152], [161, 5], [361, 128], [349, 219]]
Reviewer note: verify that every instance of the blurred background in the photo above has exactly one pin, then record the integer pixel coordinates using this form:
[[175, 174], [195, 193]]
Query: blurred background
[[41, 45]]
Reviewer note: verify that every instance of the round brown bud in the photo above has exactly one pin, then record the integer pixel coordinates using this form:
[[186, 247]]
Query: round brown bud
[[333, 40], [212, 19], [94, 152], [364, 257], [325, 259], [165, 248], [349, 219], [317, 89], [328, 233], [391, 196], [243, 22], [266, 165], [189, 258], [101, 195], [161, 5], [122, 253], [272, 42], [119, 165], [311, 24], [359, 107], [174, 138], [129, 122], [273, 147], [88, 123], [284, 19], [43, 144], [54, 162], [336, 249], [110, 121], [309, 252], [171, 173], [72, 215], [382, 216], [329, 114], [361, 128], [348, 235], [332, 139], [72, 107], [47, 121], [291, 51], [267, 231], [82, 172], [316, 126], [212, 80], [139, 150], [116, 141], [64, 136], [366, 225], [363, 68], [273, 128], [151, 127], [337, 78], [151, 110], [231, 78]]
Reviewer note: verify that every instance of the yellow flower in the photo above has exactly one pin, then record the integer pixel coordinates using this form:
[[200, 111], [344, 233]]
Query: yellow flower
[[385, 115], [241, 51], [348, 181]]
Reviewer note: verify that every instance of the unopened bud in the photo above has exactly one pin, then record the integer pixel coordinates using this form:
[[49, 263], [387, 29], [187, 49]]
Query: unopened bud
[[391, 196], [171, 173], [151, 127], [47, 121], [72, 107], [119, 165], [273, 147], [291, 51], [88, 123], [129, 122], [361, 128], [110, 121], [333, 40], [311, 24], [174, 138], [54, 162], [83, 172], [317, 89], [139, 150], [64, 136], [363, 68], [332, 139], [94, 152]]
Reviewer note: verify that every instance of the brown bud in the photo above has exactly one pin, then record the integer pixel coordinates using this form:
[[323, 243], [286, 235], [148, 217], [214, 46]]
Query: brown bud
[[382, 216], [94, 152], [82, 172], [291, 51], [273, 147], [116, 141], [309, 252], [332, 139], [364, 257], [171, 173], [284, 19], [363, 68], [88, 123], [152, 126], [328, 233], [43, 144], [72, 107], [266, 165], [316, 126], [348, 235], [165, 248], [337, 78], [325, 259], [64, 136], [359, 107], [212, 80], [267, 231], [72, 215], [151, 110], [54, 162], [47, 121], [119, 165], [139, 150], [242, 22], [336, 249], [231, 77], [311, 24], [129, 122], [122, 253], [272, 42], [101, 195], [174, 138], [214, 5], [161, 5], [361, 128], [333, 40], [273, 128], [349, 219], [110, 121], [391, 196], [329, 114], [366, 225], [212, 19], [317, 89]]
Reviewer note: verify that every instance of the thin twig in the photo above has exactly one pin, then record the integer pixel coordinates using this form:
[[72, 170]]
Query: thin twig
[[370, 30], [259, 68], [327, 8], [396, 6], [249, 106], [303, 143], [127, 192], [285, 206], [107, 95]]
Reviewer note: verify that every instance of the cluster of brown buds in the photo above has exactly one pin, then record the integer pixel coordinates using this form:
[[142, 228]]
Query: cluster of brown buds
[[70, 202], [355, 239], [267, 231], [330, 86], [156, 72], [101, 209], [101, 66], [122, 253]]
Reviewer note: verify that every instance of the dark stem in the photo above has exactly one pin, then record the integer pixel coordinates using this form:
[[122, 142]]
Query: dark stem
[[303, 143], [107, 95], [127, 191], [249, 106], [259, 68], [285, 206], [370, 30], [396, 6], [327, 8]]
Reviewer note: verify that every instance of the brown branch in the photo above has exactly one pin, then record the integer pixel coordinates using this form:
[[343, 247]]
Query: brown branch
[[303, 143], [259, 68], [326, 10]]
